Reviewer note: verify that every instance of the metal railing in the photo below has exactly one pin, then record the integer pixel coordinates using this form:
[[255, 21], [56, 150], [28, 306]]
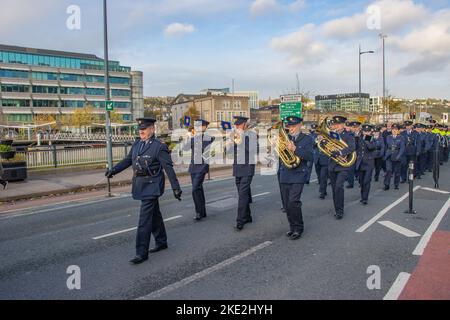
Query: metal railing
[[68, 156]]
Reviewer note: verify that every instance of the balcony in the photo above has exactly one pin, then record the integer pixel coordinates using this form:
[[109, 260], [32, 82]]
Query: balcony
[[15, 95]]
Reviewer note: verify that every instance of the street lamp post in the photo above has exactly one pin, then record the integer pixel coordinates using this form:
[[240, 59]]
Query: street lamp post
[[107, 94], [383, 38], [360, 54]]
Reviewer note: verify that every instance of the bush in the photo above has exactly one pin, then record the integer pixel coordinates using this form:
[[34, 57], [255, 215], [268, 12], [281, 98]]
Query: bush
[[5, 148]]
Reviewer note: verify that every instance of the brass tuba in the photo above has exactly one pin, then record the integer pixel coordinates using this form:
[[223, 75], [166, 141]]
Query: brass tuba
[[329, 145], [289, 159]]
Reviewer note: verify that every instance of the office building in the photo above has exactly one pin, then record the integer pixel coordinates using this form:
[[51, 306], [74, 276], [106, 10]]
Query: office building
[[40, 81], [348, 102], [252, 95]]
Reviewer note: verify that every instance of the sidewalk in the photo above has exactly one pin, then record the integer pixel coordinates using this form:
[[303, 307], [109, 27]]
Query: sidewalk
[[63, 183]]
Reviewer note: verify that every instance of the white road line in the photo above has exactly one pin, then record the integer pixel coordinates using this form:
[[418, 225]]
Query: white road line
[[205, 272], [130, 229], [418, 251], [384, 211], [261, 194], [8, 216], [393, 226], [397, 287], [436, 190]]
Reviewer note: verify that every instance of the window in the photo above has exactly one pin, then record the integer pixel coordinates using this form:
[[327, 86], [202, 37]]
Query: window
[[95, 79], [95, 91], [66, 90], [120, 92], [13, 74], [15, 88], [117, 80], [44, 76], [72, 104], [15, 103], [45, 103], [97, 104], [71, 77], [45, 89], [19, 117], [122, 105]]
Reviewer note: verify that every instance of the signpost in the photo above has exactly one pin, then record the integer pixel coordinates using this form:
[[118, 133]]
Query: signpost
[[291, 105], [109, 106]]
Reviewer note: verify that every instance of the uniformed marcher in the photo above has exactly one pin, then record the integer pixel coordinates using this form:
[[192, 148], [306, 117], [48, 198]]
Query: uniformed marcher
[[337, 173], [150, 158], [412, 150], [292, 181], [321, 162], [244, 145], [379, 152], [313, 135], [432, 143], [4, 183], [395, 150], [422, 157], [355, 131], [199, 145], [366, 160]]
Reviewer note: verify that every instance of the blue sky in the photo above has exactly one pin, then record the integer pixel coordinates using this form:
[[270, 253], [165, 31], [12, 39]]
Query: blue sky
[[189, 45]]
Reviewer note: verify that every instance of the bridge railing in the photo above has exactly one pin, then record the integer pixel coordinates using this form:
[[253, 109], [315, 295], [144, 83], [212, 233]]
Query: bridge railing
[[70, 156]]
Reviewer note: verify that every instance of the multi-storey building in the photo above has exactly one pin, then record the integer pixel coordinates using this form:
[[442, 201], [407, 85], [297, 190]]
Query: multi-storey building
[[213, 108], [343, 102], [39, 81], [253, 96]]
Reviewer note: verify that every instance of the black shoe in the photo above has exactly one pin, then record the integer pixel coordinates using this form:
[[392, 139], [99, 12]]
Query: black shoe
[[158, 248], [403, 182], [248, 220], [350, 187], [338, 216], [289, 234], [386, 188], [138, 260], [239, 227], [396, 188], [322, 196], [364, 202], [295, 236], [199, 217]]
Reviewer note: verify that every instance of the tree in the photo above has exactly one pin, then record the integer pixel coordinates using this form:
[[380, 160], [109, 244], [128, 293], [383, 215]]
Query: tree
[[192, 113], [39, 119], [116, 117], [83, 117], [395, 106]]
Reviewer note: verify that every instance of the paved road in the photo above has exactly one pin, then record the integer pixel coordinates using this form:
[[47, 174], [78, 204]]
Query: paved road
[[210, 260]]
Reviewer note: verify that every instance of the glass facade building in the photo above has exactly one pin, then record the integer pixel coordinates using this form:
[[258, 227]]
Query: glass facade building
[[34, 81], [348, 102]]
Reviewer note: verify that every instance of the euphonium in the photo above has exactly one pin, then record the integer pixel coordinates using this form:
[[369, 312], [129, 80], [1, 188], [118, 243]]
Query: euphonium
[[329, 145], [289, 159]]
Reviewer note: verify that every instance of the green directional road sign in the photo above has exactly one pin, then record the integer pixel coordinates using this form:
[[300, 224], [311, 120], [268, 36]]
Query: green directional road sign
[[290, 109], [109, 106]]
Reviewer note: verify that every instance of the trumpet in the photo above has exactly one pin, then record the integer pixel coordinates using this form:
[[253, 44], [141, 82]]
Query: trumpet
[[328, 145], [289, 158]]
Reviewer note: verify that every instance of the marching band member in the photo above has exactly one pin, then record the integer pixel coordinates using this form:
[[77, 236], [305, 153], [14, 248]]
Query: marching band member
[[198, 168], [150, 158], [243, 168], [292, 181], [412, 150], [395, 150], [337, 173], [365, 162], [379, 152], [355, 131]]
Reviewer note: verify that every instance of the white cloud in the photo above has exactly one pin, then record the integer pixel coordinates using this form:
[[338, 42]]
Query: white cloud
[[297, 5], [262, 7], [300, 46], [395, 15], [178, 29]]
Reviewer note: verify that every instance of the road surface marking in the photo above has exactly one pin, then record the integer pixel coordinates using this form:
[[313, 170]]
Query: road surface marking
[[397, 288], [418, 251], [384, 211], [436, 190], [261, 194], [128, 230], [406, 232], [204, 273], [28, 213]]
